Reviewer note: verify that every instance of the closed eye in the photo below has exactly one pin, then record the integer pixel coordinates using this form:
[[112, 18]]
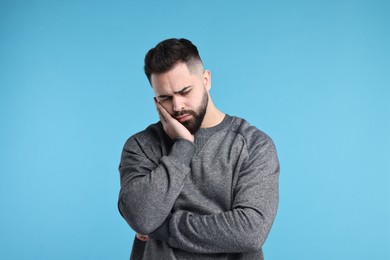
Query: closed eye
[[163, 98], [185, 90]]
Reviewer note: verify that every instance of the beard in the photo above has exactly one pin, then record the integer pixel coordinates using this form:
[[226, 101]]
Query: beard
[[196, 120]]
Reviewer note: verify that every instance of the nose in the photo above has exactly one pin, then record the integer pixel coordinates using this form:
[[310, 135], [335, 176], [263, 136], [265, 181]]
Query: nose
[[177, 104]]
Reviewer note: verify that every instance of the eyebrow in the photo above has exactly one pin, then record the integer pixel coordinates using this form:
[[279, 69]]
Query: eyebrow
[[175, 92]]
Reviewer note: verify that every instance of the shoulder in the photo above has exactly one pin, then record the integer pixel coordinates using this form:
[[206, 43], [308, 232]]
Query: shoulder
[[150, 136], [249, 132], [256, 141]]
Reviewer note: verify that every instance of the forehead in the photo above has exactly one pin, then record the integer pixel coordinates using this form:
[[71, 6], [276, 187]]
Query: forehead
[[173, 80]]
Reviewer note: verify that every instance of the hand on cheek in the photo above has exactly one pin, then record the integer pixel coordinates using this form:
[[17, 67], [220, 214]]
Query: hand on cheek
[[172, 127]]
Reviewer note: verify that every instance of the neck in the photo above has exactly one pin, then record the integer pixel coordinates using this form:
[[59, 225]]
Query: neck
[[212, 117]]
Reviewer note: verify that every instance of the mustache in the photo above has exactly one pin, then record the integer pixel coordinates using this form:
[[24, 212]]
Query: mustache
[[184, 112]]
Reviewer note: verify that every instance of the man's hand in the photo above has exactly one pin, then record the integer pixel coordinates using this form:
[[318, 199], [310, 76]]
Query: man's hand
[[172, 127], [142, 237]]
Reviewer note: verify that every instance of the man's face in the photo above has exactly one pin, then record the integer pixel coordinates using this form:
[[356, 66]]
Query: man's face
[[183, 94]]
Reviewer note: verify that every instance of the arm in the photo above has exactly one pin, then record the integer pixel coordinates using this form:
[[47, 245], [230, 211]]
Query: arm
[[149, 189], [247, 225]]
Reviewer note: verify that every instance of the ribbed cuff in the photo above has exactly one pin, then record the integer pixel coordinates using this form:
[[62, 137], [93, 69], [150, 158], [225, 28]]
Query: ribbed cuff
[[183, 150]]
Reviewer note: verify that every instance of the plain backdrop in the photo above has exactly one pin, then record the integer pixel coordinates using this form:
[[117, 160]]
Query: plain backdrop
[[314, 75]]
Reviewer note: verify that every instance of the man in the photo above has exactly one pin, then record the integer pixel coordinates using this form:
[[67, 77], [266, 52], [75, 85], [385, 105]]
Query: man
[[199, 184]]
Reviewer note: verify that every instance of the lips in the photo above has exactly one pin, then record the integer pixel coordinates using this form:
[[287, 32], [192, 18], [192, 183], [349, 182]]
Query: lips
[[183, 118]]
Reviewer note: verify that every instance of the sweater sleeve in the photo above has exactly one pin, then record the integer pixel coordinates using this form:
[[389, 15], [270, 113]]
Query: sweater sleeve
[[150, 186], [246, 226]]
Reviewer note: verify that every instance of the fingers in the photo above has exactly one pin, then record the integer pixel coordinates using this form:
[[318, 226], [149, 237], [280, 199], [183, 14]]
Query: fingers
[[142, 237], [163, 114], [158, 107]]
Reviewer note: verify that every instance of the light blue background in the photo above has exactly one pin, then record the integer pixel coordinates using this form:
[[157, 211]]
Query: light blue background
[[314, 75]]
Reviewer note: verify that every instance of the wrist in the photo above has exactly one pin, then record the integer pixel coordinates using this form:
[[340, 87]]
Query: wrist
[[190, 138]]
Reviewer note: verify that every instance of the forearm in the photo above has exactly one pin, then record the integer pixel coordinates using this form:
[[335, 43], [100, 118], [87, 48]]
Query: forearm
[[147, 197], [236, 231]]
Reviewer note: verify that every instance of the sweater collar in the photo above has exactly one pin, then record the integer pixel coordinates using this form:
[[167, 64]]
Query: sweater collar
[[210, 130]]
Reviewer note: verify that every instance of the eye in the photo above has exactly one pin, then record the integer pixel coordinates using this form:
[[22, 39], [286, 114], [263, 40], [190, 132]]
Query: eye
[[164, 98], [185, 92]]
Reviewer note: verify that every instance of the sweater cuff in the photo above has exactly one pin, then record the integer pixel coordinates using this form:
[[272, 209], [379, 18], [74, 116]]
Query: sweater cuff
[[183, 150], [162, 232]]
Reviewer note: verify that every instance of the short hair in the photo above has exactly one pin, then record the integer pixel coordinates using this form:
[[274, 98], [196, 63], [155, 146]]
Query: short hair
[[168, 53]]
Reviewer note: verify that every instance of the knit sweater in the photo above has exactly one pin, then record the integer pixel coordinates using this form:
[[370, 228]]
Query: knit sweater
[[215, 198]]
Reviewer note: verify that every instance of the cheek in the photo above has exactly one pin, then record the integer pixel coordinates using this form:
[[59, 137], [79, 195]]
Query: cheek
[[167, 106], [196, 100]]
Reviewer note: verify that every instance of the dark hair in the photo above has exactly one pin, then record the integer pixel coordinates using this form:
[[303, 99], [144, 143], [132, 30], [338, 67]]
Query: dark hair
[[168, 53]]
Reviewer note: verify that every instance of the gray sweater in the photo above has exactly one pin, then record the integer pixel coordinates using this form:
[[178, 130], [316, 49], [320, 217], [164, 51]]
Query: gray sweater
[[215, 198]]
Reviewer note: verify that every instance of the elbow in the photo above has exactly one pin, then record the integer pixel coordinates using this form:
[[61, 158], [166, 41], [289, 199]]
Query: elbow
[[253, 242], [137, 217], [255, 235], [258, 228]]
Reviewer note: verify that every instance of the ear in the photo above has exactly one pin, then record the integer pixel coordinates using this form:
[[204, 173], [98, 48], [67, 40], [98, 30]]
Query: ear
[[207, 79]]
